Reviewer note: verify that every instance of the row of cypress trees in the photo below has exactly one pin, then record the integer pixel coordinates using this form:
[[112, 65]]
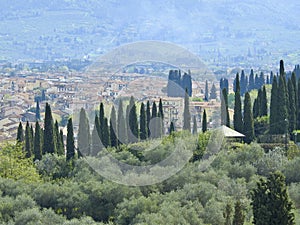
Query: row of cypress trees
[[48, 139], [178, 85], [121, 130], [125, 127], [285, 105], [247, 84], [243, 122], [122, 127], [284, 113], [251, 83], [213, 92], [260, 105]]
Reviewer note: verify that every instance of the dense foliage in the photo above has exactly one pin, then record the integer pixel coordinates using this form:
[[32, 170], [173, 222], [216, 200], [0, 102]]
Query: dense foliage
[[203, 192]]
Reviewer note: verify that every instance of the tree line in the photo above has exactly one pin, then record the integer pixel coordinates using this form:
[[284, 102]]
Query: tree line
[[120, 128], [280, 116], [47, 139], [178, 85]]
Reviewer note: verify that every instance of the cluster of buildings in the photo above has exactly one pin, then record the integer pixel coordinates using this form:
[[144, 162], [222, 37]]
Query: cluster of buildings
[[67, 92]]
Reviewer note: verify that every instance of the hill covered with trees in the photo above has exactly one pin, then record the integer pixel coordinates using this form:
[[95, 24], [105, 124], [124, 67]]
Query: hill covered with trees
[[61, 29]]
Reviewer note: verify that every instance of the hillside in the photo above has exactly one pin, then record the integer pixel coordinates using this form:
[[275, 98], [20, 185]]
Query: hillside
[[216, 30]]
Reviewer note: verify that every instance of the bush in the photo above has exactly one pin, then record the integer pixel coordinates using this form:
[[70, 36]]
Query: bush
[[272, 161], [213, 213], [171, 214], [291, 171], [294, 191], [53, 166], [10, 207]]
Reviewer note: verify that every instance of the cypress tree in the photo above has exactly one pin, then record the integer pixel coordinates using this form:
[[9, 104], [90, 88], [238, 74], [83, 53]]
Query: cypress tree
[[20, 133], [154, 110], [243, 83], [213, 92], [176, 84], [225, 120], [206, 98], [32, 136], [37, 148], [239, 215], [248, 119], [37, 111], [221, 84], [101, 113], [153, 130], [281, 68], [42, 139], [56, 134], [195, 129], [204, 122], [271, 77], [128, 131], [259, 101], [106, 135], [83, 137], [224, 84], [171, 84], [159, 121], [97, 125], [256, 108], [294, 82], [186, 113], [251, 81], [223, 107], [268, 80], [49, 145], [283, 103], [96, 144], [70, 141], [274, 107], [122, 131], [172, 128], [261, 79], [158, 125], [186, 83], [161, 116], [113, 128], [256, 82], [292, 107], [59, 144], [61, 135], [271, 203], [263, 102], [101, 120], [234, 85], [237, 116], [143, 123], [133, 122], [28, 141], [148, 118]]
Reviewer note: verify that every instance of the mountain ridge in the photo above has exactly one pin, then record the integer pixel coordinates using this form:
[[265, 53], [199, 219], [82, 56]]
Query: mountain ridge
[[76, 29]]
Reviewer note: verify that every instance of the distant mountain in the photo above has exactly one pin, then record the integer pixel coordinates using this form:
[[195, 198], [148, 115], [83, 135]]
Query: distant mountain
[[214, 29]]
